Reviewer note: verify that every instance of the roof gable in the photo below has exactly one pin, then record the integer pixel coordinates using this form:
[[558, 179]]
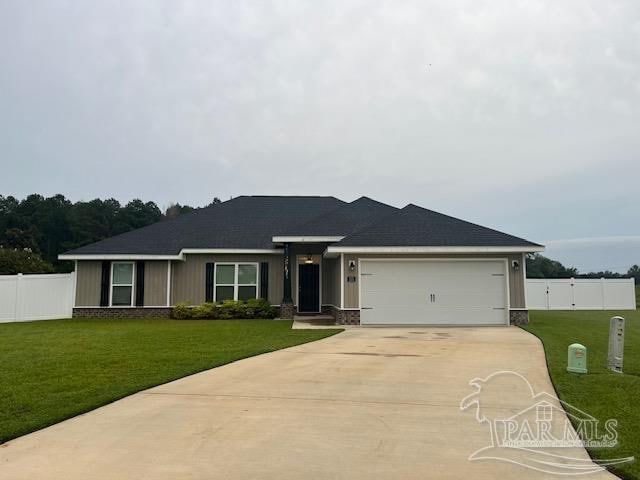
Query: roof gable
[[345, 219]]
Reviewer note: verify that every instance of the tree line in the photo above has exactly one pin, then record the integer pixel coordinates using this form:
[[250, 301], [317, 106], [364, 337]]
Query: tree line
[[34, 230], [539, 266]]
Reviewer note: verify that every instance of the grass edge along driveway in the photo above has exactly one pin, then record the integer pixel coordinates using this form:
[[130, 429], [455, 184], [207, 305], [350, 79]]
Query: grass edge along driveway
[[56, 369], [600, 393]]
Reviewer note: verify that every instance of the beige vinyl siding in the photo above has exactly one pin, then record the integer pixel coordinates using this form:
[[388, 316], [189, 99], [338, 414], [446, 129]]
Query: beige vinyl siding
[[155, 283], [331, 281], [89, 282], [516, 278], [188, 276], [351, 292], [516, 282]]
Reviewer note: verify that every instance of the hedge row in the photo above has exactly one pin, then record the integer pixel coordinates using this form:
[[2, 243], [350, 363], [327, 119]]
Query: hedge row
[[254, 308]]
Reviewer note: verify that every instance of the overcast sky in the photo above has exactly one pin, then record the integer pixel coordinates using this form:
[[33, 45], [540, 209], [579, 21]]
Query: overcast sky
[[519, 115]]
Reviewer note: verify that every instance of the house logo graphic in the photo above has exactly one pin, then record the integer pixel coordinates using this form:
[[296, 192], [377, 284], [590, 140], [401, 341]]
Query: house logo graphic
[[546, 434]]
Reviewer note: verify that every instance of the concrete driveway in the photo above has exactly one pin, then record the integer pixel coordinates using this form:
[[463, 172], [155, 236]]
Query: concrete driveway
[[367, 403]]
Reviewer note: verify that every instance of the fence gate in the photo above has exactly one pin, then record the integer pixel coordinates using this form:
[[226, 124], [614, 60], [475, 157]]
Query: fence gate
[[581, 294]]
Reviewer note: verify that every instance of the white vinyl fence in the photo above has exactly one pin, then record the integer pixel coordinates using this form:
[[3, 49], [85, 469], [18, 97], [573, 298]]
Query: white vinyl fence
[[36, 297], [581, 294]]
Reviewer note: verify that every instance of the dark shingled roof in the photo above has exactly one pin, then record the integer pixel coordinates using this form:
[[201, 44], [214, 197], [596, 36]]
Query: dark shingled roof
[[345, 219], [415, 226], [250, 222], [243, 222]]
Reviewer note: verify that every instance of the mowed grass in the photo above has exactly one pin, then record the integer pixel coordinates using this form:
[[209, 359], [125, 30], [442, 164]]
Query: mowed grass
[[53, 370], [600, 393]]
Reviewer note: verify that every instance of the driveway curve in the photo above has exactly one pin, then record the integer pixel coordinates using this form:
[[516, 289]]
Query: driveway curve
[[367, 403]]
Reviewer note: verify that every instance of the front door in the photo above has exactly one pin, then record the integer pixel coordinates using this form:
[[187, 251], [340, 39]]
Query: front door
[[309, 288]]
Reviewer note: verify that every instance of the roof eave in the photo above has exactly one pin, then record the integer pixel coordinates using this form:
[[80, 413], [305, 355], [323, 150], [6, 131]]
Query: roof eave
[[337, 249], [306, 238], [179, 256]]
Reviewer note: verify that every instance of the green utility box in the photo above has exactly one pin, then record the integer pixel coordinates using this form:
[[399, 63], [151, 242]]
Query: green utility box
[[577, 358]]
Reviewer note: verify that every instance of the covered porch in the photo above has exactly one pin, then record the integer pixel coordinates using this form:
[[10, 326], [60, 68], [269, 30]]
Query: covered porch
[[311, 283]]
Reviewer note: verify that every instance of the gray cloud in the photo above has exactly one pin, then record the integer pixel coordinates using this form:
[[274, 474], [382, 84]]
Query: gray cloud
[[518, 115], [596, 254]]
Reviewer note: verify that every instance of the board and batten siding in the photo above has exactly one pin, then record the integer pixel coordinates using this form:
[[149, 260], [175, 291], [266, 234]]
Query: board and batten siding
[[188, 276], [517, 282], [516, 278], [88, 283], [155, 283], [331, 281]]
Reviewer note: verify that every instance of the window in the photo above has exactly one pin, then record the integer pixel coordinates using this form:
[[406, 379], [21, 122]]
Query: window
[[122, 284], [236, 281]]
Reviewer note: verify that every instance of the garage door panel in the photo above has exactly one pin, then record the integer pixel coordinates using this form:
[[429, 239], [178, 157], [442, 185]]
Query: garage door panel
[[468, 315], [487, 292], [466, 292]]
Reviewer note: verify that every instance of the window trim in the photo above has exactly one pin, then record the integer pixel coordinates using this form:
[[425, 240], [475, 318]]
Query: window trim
[[132, 285], [235, 283]]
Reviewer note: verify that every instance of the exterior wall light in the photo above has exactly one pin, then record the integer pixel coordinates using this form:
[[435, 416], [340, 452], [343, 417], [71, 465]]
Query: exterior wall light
[[515, 264], [308, 260]]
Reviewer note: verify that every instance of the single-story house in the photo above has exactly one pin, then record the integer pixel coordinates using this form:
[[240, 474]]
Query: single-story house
[[362, 262]]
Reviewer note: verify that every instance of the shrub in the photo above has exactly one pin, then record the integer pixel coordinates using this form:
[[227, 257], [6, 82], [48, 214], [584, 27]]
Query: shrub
[[182, 311], [229, 309], [206, 311], [260, 308], [232, 309]]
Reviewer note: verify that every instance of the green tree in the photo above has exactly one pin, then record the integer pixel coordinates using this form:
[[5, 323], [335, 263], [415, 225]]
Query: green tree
[[9, 217], [92, 221], [137, 214], [602, 274], [17, 238], [13, 261], [175, 209], [539, 266]]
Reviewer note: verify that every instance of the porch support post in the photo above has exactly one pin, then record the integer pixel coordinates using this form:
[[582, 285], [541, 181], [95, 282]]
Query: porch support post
[[286, 308]]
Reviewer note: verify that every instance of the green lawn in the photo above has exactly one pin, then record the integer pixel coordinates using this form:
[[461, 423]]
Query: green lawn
[[600, 393], [56, 369]]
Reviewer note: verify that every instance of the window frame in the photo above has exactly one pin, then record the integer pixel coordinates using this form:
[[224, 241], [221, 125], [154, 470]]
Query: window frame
[[236, 286], [132, 285]]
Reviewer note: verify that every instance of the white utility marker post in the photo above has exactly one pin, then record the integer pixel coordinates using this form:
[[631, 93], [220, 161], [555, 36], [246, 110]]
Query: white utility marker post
[[616, 344]]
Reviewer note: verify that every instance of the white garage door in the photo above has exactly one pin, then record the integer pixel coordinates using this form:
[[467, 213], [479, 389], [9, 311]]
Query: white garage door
[[433, 292]]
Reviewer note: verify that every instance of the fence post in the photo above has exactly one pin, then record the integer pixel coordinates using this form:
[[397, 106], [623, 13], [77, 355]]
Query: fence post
[[74, 278], [573, 293], [604, 303], [546, 285], [18, 310]]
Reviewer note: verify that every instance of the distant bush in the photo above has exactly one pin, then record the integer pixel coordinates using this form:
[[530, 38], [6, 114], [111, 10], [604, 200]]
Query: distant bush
[[229, 309]]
